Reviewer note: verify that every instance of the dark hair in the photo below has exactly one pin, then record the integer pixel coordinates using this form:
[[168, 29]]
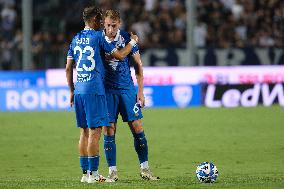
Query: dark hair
[[90, 12]]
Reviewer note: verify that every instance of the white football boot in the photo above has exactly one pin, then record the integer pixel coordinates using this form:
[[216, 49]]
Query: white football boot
[[84, 178], [113, 175], [148, 175], [98, 178]]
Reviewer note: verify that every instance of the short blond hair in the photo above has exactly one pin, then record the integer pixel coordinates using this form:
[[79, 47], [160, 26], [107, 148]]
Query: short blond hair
[[112, 14]]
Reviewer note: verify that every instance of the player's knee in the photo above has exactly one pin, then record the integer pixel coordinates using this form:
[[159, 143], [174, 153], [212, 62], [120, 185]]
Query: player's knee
[[84, 133], [136, 126], [95, 133], [138, 130], [109, 130]]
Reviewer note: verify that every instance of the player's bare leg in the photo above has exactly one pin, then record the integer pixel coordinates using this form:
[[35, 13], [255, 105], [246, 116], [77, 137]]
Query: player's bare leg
[[83, 144], [93, 155], [83, 141], [141, 147], [136, 126], [110, 150], [93, 142], [110, 130]]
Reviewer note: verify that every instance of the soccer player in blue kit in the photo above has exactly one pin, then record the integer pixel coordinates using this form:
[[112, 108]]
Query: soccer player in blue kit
[[88, 95], [122, 98]]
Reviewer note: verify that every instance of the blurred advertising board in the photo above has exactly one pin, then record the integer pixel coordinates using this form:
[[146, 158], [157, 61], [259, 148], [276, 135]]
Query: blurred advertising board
[[193, 75], [213, 75], [57, 98], [25, 79], [157, 76], [173, 96], [249, 95], [34, 99]]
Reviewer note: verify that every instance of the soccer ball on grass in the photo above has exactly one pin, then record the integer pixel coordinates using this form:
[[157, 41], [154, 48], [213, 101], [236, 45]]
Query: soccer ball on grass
[[207, 172]]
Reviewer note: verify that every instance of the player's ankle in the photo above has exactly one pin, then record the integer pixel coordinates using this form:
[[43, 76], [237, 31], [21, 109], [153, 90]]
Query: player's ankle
[[94, 173], [111, 169], [144, 165]]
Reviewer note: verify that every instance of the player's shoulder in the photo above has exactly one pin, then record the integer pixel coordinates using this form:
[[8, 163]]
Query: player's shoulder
[[89, 32], [76, 36], [95, 33], [124, 34], [87, 36]]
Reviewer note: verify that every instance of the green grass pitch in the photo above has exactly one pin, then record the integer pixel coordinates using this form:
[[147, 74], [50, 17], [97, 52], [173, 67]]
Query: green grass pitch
[[39, 149]]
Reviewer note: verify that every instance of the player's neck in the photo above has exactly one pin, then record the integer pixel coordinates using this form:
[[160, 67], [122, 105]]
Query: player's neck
[[111, 38], [87, 27], [91, 27]]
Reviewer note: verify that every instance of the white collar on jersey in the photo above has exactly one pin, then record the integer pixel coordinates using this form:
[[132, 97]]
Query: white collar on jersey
[[116, 37], [88, 28]]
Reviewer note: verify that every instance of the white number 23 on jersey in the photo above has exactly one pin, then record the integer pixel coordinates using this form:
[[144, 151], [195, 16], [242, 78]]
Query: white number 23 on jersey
[[80, 67]]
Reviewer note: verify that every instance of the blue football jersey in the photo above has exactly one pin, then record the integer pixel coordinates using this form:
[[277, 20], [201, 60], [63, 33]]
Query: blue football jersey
[[118, 74], [86, 49]]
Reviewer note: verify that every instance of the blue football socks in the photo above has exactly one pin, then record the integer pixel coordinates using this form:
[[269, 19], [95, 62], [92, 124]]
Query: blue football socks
[[110, 150], [93, 163], [141, 147], [84, 164]]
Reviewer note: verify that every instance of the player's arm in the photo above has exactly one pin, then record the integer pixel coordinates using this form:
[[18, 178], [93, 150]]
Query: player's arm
[[69, 77], [138, 67], [122, 53]]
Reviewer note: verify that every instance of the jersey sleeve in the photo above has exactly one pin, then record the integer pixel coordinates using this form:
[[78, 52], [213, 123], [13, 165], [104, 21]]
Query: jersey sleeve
[[135, 50], [70, 52], [106, 46]]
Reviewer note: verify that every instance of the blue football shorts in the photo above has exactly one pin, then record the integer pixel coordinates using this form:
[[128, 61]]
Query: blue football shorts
[[91, 110], [124, 104]]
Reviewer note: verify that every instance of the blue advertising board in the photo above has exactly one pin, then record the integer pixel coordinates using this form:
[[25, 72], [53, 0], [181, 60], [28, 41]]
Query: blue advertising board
[[173, 96], [34, 99], [15, 79], [57, 98]]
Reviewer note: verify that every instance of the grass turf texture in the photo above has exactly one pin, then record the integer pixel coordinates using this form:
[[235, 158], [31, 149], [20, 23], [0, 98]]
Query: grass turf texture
[[39, 149]]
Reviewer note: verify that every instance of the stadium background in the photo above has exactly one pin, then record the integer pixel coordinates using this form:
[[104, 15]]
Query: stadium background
[[222, 53]]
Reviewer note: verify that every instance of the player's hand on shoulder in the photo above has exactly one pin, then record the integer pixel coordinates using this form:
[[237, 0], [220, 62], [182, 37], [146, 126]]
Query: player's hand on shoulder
[[134, 37]]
